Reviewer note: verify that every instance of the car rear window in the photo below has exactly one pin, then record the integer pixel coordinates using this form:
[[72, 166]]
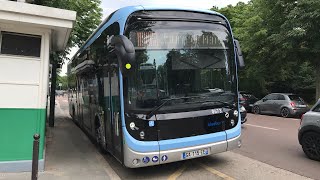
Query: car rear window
[[280, 97], [246, 95], [295, 98], [249, 96], [317, 108]]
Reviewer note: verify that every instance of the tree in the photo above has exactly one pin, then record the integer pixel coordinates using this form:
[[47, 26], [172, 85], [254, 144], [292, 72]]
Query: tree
[[279, 42], [248, 28], [300, 32], [292, 40], [63, 80], [89, 16]]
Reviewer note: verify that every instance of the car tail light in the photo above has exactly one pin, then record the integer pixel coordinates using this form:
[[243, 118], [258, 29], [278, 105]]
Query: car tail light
[[293, 104], [242, 99]]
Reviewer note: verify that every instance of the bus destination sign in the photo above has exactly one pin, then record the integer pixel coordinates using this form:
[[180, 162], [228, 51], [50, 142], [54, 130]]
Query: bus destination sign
[[169, 40]]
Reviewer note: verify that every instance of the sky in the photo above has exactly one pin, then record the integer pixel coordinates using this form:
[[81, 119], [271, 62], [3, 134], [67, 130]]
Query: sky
[[109, 6]]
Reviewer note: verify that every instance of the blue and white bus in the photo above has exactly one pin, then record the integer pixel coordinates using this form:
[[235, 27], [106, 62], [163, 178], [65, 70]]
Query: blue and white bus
[[157, 85]]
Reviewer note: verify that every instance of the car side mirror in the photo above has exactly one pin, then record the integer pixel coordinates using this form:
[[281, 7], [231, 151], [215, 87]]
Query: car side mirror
[[264, 99], [125, 52], [240, 59]]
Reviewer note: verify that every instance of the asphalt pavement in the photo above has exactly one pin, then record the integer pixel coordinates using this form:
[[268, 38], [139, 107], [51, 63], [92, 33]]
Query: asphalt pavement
[[274, 140]]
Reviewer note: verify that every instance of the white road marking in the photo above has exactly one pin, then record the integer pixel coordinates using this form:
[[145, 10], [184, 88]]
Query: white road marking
[[291, 119], [262, 127]]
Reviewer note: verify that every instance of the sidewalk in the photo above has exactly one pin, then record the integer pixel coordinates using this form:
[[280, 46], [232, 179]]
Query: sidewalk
[[69, 153]]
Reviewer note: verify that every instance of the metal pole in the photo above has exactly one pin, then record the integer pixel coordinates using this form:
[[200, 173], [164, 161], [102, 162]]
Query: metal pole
[[35, 157], [53, 93]]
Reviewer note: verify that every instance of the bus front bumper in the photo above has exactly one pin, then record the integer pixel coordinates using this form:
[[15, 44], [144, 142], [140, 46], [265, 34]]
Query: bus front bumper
[[133, 159]]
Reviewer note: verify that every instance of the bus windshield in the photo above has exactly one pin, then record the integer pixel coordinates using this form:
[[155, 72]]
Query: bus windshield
[[175, 60]]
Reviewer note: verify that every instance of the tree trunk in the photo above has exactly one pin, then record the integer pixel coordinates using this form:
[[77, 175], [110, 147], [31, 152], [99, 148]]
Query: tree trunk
[[317, 80]]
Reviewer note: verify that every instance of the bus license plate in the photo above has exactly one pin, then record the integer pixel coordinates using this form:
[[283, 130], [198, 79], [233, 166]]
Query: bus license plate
[[195, 153]]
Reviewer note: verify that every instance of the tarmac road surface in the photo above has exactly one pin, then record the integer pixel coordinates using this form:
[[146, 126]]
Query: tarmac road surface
[[274, 140]]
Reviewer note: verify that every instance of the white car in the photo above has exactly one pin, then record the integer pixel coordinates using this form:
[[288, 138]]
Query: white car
[[309, 132]]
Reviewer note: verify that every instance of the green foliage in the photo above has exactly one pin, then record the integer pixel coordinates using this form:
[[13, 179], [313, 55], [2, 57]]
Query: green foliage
[[280, 42], [64, 81], [89, 16]]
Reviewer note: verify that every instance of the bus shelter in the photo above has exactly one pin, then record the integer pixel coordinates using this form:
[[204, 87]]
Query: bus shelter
[[28, 33]]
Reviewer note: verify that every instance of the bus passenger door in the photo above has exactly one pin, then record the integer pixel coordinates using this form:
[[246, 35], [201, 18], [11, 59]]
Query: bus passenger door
[[86, 96], [105, 83], [93, 102], [111, 105], [115, 114], [80, 102]]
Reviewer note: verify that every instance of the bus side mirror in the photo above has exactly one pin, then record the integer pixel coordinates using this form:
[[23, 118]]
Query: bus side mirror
[[240, 61], [125, 52]]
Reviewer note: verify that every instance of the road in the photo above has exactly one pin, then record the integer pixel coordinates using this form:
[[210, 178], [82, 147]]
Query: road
[[270, 151], [274, 140]]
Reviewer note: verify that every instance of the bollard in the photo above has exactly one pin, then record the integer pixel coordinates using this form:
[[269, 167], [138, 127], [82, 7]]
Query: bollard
[[35, 157]]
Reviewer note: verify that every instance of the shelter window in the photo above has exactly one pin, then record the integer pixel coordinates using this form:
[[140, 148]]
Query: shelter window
[[20, 44]]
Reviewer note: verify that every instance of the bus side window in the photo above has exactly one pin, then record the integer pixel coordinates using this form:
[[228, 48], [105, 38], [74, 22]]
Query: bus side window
[[112, 30]]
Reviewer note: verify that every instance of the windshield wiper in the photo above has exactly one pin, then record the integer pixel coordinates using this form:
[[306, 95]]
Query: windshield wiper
[[221, 102], [156, 109]]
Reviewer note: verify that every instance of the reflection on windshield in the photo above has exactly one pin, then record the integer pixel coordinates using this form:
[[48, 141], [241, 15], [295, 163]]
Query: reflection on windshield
[[174, 64], [172, 74]]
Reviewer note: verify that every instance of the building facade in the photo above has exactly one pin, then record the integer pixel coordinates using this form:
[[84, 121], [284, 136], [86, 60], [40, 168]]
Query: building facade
[[28, 33]]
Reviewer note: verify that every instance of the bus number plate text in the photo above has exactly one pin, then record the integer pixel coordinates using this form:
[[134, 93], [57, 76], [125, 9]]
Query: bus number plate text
[[195, 153]]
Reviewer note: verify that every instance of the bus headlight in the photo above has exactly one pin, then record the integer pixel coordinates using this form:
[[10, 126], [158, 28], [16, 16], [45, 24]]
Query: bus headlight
[[137, 128], [132, 126], [226, 115], [242, 109], [142, 134], [235, 113], [135, 162], [232, 122]]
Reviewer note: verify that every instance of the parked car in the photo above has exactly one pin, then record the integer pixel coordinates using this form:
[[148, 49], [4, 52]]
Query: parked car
[[309, 132], [283, 104], [243, 113], [247, 100]]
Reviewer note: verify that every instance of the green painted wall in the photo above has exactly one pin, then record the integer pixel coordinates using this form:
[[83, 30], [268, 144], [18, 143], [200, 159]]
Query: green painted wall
[[17, 127]]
